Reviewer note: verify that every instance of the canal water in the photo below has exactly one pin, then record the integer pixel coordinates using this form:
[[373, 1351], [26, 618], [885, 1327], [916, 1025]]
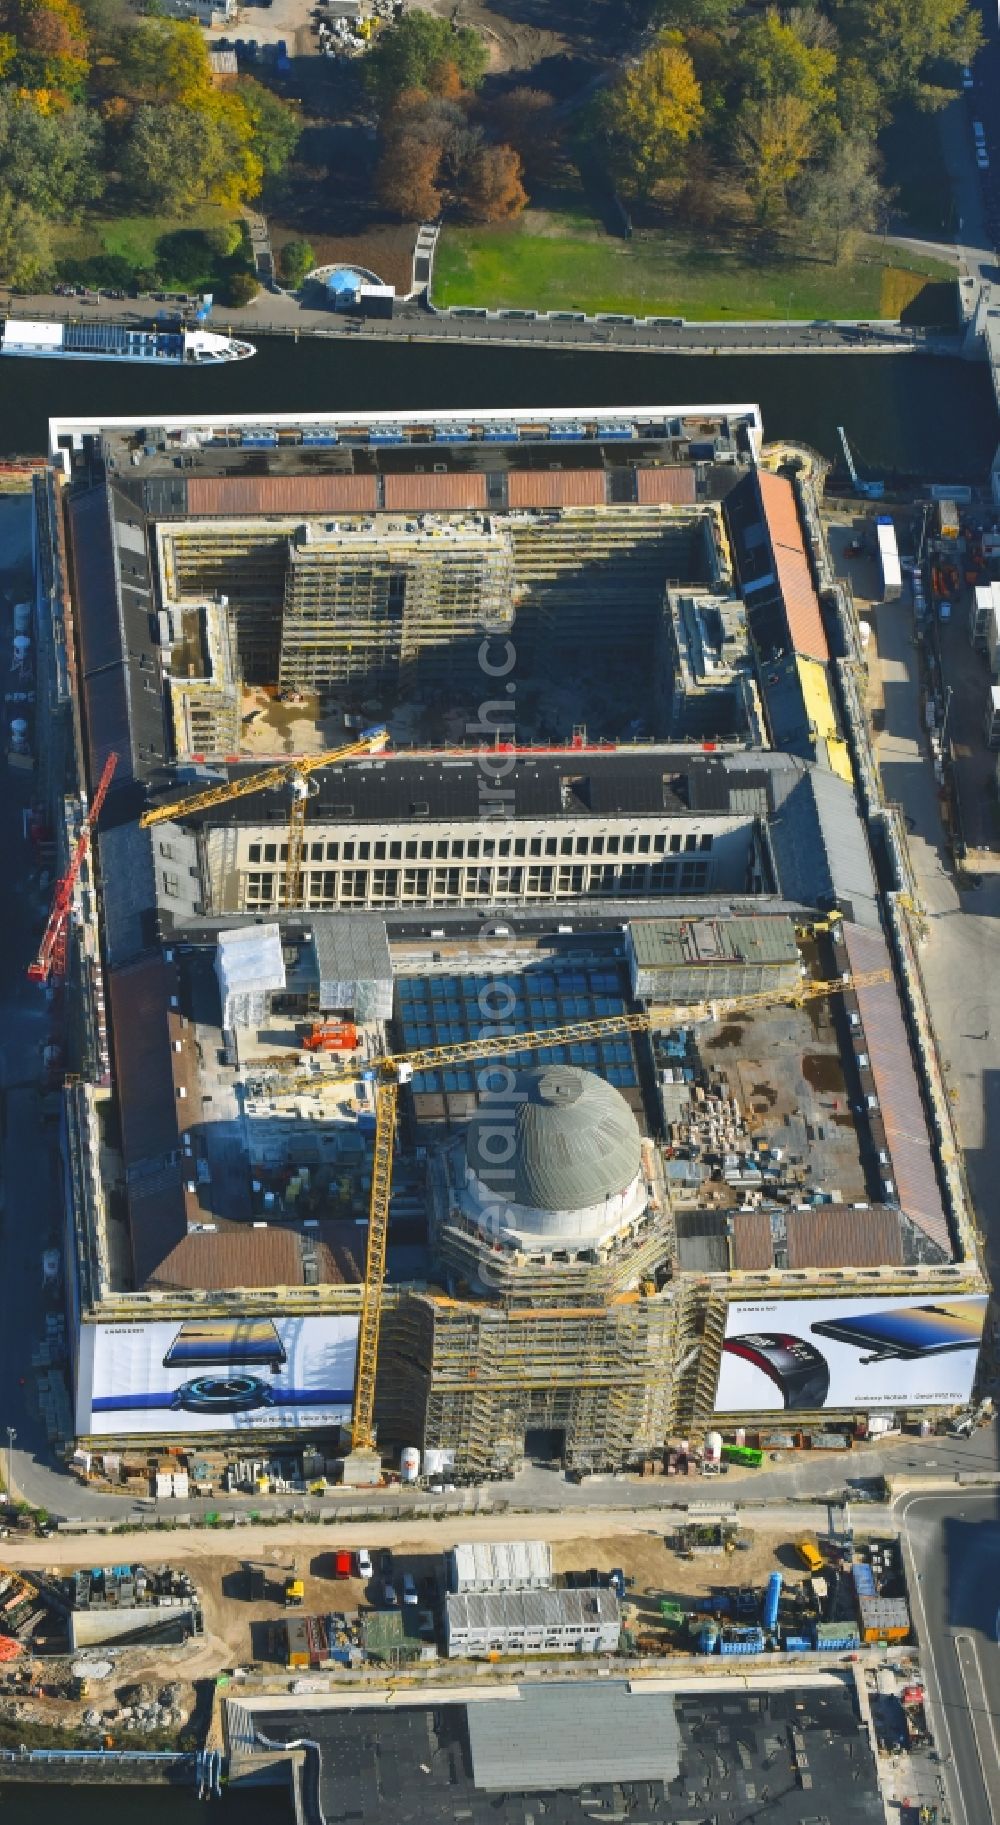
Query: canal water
[[24, 1804], [910, 414]]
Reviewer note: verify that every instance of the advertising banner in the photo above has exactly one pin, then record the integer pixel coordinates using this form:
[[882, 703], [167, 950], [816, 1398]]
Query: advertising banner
[[216, 1375], [783, 1354]]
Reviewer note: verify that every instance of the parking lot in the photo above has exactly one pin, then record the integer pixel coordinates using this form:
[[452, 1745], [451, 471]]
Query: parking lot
[[269, 33]]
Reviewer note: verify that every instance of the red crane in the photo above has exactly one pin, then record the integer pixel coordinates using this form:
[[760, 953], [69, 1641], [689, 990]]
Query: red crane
[[51, 958]]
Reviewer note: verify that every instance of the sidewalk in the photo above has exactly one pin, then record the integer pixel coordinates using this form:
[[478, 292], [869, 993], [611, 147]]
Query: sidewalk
[[275, 313]]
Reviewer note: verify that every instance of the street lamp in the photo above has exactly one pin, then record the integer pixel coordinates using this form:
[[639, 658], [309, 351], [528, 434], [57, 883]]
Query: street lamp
[[11, 1436], [949, 694]]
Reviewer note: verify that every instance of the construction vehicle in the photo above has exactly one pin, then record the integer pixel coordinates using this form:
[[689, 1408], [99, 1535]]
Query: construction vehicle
[[866, 491], [810, 1554], [297, 775], [392, 1070], [51, 959], [295, 1593], [331, 1036]]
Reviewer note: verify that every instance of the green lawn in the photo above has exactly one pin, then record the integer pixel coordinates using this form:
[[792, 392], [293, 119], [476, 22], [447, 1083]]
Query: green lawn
[[536, 265], [135, 238]]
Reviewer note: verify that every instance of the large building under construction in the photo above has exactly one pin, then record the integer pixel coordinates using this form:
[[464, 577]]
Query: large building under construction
[[612, 887]]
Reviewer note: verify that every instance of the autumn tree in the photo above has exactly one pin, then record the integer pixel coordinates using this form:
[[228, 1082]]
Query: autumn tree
[[773, 60], [525, 119], [51, 48], [163, 61], [275, 128], [175, 158], [406, 179], [652, 113], [772, 143], [414, 53], [492, 190]]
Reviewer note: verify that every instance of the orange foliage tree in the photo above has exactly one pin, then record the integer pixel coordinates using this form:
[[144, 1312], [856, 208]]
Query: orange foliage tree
[[492, 190]]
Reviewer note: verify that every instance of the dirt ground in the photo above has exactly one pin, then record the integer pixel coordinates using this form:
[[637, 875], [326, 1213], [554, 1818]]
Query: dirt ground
[[658, 1571], [521, 34], [238, 1631]]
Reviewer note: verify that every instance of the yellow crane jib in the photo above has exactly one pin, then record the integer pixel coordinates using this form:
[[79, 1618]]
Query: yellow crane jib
[[395, 1069], [288, 773]]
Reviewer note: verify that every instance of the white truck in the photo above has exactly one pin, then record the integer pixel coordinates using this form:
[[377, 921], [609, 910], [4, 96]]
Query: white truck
[[888, 558]]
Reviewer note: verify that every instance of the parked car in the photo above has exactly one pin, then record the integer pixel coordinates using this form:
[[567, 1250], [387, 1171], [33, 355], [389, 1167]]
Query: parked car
[[409, 1589], [389, 1600], [363, 1562]]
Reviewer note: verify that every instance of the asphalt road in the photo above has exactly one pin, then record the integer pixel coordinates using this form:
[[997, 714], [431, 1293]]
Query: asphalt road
[[952, 1545]]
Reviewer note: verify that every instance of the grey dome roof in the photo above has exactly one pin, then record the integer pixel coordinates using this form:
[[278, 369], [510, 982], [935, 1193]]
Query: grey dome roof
[[576, 1141]]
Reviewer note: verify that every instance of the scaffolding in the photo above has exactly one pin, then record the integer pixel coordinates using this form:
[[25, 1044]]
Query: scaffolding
[[599, 1377], [394, 603]]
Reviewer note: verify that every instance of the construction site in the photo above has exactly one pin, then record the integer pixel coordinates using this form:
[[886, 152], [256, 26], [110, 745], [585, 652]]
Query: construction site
[[555, 1094]]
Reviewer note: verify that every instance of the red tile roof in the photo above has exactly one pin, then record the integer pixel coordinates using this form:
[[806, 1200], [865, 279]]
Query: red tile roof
[[670, 484], [805, 622], [556, 488], [893, 1071], [252, 494], [434, 493]]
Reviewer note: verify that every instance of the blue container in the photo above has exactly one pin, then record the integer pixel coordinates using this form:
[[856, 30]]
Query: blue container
[[771, 1601], [796, 1644]]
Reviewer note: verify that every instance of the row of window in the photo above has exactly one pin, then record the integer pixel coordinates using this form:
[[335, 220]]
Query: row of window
[[330, 888], [471, 848]]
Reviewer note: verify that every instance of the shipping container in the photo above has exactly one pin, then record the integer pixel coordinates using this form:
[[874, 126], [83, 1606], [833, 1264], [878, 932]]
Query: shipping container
[[735, 1641]]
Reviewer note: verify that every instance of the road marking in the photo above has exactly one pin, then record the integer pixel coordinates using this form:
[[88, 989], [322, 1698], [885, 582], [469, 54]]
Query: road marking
[[927, 1646], [976, 1712]]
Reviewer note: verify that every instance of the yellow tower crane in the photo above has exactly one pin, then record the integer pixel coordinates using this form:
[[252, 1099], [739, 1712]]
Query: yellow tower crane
[[397, 1068], [296, 774]]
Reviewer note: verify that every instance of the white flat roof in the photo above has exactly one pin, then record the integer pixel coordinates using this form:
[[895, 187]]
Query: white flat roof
[[19, 333], [523, 415]]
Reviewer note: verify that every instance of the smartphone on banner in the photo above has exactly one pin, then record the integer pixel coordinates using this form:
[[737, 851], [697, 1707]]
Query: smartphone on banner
[[910, 1331], [206, 1343]]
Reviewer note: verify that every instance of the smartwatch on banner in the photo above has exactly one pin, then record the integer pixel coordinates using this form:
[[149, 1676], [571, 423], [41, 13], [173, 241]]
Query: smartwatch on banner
[[234, 1392], [795, 1366]]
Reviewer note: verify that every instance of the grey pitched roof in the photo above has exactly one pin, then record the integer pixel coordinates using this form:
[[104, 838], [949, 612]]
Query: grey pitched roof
[[575, 1140], [565, 1736], [819, 841]]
